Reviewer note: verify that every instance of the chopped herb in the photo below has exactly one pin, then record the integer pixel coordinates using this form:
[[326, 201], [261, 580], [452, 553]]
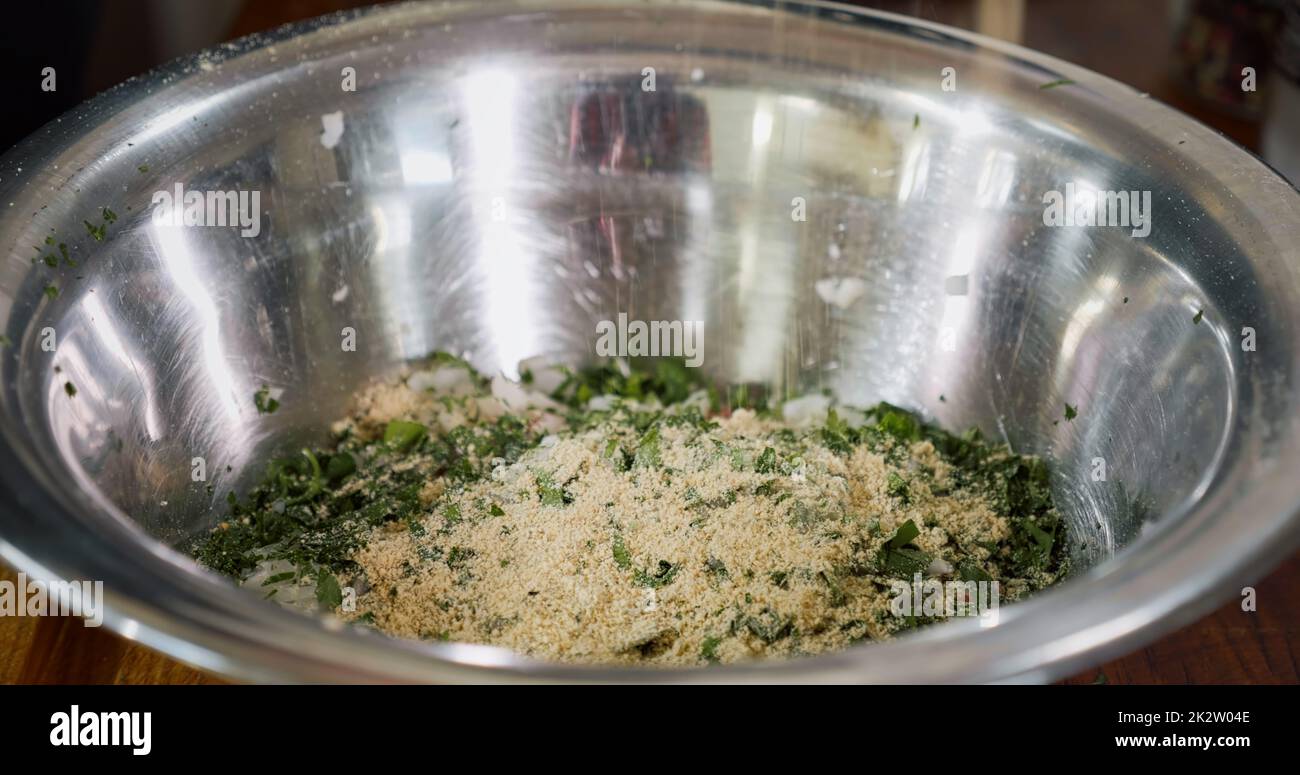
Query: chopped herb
[[896, 486], [969, 571], [900, 424], [837, 596], [451, 515], [264, 402], [661, 576], [897, 559], [339, 466], [837, 435], [904, 563], [328, 592], [671, 381], [401, 435], [1056, 83], [550, 493], [458, 556], [769, 626], [904, 535], [1071, 412], [709, 649], [70, 389], [621, 556], [647, 450], [1196, 319]]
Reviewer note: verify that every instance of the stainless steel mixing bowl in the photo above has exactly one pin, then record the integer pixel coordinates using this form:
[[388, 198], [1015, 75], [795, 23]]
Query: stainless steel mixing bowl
[[504, 179]]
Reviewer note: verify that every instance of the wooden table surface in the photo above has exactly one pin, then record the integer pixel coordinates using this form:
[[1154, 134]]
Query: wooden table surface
[[1228, 646]]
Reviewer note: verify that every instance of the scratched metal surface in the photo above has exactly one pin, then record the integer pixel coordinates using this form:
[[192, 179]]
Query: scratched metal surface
[[503, 182]]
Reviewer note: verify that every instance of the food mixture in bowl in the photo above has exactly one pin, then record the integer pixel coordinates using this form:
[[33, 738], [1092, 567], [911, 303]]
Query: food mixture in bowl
[[618, 516]]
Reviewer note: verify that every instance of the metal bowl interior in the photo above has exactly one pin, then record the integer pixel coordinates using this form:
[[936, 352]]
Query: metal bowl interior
[[504, 180]]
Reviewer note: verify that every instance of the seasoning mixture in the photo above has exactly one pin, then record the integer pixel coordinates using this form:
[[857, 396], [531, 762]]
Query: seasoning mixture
[[613, 516]]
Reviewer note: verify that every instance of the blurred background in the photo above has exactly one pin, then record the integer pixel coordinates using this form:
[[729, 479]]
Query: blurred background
[[1187, 53]]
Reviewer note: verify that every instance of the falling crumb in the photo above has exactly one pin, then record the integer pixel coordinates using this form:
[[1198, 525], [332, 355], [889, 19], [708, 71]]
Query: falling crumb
[[840, 292], [332, 128]]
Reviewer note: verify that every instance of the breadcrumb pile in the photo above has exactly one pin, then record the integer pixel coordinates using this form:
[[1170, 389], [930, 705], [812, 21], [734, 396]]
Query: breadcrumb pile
[[613, 516], [590, 549]]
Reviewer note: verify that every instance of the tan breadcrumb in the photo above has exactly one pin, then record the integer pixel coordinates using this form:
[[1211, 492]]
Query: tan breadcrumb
[[577, 553]]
